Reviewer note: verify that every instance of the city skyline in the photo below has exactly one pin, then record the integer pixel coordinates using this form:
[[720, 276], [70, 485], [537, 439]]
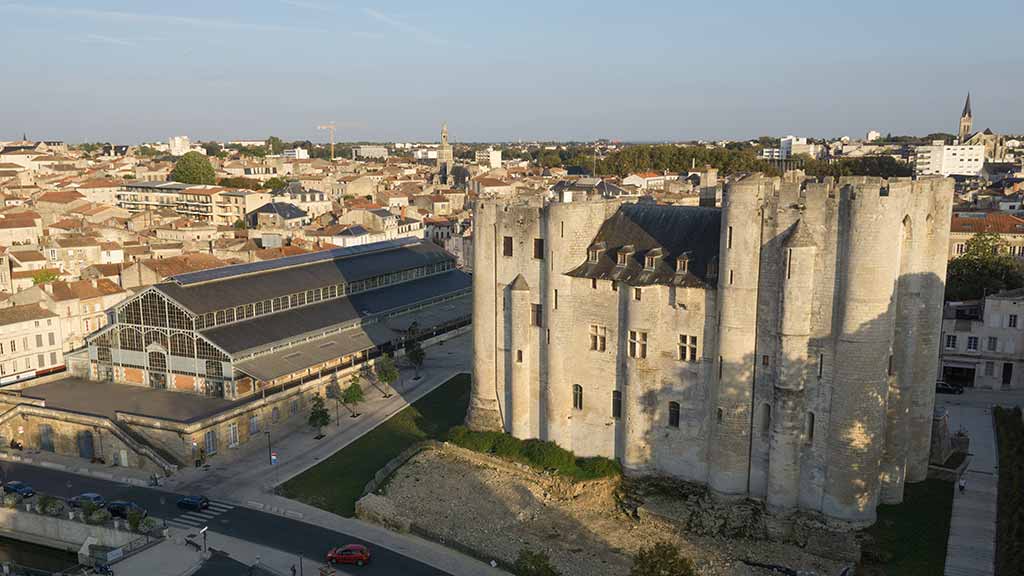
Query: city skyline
[[130, 72]]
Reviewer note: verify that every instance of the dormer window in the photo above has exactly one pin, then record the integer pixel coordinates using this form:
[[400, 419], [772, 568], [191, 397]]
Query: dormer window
[[622, 258], [594, 255], [651, 262]]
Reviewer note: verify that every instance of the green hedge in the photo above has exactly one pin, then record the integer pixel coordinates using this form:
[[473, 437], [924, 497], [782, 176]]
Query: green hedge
[[1010, 515], [536, 453]]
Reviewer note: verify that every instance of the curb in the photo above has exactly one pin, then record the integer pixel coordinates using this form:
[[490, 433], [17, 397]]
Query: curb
[[255, 505]]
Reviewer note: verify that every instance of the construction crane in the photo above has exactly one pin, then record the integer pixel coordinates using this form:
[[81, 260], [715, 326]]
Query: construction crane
[[330, 130]]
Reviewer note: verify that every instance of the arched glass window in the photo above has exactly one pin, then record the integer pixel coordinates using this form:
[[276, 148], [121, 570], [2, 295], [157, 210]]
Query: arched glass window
[[577, 397], [673, 414]]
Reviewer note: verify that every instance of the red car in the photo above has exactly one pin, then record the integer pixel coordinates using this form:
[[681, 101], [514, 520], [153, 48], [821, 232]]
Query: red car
[[352, 554]]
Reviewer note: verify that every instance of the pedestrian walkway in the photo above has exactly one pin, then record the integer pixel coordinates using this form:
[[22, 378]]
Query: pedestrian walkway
[[196, 519], [971, 548]]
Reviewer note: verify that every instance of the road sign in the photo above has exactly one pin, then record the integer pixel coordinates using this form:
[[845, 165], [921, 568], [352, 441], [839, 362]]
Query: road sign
[[273, 458]]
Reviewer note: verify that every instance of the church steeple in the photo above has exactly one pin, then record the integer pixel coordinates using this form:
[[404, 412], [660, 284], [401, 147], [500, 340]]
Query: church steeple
[[966, 120]]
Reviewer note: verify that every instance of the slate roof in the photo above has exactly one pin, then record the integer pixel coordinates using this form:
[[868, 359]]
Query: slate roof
[[675, 233], [266, 330], [245, 288], [282, 209]]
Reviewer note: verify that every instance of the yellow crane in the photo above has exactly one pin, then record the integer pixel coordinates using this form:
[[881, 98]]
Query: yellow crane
[[330, 130]]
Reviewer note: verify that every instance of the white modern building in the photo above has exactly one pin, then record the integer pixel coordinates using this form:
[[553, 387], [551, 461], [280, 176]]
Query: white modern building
[[490, 158], [872, 136], [949, 160], [296, 154], [793, 145], [372, 151]]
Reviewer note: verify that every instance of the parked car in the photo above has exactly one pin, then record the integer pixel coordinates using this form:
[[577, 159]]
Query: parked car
[[947, 388], [90, 497], [20, 488], [121, 509], [196, 503], [350, 554]]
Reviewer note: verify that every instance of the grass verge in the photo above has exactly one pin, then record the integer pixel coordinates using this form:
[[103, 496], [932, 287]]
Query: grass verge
[[539, 454], [1010, 509], [909, 539], [336, 483]]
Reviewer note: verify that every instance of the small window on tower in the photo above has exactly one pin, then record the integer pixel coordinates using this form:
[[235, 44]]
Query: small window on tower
[[538, 248], [506, 246]]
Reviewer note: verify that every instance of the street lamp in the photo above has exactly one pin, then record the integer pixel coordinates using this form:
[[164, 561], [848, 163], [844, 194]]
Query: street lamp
[[270, 453]]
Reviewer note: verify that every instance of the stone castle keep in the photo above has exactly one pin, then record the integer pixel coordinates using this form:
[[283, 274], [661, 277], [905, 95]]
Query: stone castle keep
[[781, 348]]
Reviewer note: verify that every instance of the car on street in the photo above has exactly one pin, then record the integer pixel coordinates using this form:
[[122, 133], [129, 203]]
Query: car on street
[[88, 497], [194, 502], [121, 509], [947, 388], [20, 488], [350, 554]]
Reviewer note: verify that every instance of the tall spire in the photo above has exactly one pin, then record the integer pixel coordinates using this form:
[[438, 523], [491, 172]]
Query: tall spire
[[967, 107]]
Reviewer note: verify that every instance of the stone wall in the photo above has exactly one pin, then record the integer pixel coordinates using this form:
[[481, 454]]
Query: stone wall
[[59, 532]]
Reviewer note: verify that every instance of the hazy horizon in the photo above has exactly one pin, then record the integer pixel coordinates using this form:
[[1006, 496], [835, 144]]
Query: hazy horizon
[[127, 72]]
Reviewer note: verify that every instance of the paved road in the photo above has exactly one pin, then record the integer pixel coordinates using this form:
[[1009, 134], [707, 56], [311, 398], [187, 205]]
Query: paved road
[[257, 527]]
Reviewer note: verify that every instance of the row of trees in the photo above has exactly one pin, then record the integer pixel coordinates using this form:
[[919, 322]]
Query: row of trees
[[382, 377]]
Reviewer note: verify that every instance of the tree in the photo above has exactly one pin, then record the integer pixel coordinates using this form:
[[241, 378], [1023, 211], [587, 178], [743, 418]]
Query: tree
[[414, 352], [147, 152], [274, 183], [533, 564], [334, 393], [662, 559], [44, 276], [240, 182], [275, 144], [352, 396], [387, 373], [318, 414], [193, 168], [212, 148], [985, 267]]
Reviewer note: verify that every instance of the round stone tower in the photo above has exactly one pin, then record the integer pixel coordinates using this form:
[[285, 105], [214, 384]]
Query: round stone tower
[[483, 411], [739, 257], [799, 252]]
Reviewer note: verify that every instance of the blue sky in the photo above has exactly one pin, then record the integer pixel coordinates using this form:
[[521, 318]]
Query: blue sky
[[562, 69]]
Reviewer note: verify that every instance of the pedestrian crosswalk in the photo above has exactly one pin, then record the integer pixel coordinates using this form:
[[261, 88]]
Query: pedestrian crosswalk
[[196, 519]]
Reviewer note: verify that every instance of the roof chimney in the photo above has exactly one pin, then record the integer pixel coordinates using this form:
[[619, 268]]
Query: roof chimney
[[48, 287], [95, 283]]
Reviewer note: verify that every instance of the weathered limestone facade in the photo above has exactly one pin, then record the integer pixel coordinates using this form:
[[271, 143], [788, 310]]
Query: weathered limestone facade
[[781, 348]]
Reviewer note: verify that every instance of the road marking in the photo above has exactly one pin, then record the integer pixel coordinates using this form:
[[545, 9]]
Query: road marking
[[181, 522], [220, 507], [198, 517]]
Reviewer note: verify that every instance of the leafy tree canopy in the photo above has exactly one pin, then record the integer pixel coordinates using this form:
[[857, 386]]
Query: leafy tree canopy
[[274, 183], [193, 168], [44, 276], [985, 267], [240, 182]]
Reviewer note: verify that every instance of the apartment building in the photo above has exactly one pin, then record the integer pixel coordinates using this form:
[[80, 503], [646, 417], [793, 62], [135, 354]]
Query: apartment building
[[30, 343], [940, 158], [215, 204], [983, 342], [81, 305], [71, 254]]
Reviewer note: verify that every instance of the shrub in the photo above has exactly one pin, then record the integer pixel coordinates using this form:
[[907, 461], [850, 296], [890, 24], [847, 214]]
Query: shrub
[[12, 500], [88, 508], [98, 516], [148, 525], [549, 456], [55, 508], [134, 518], [508, 446], [662, 559], [533, 564], [598, 467]]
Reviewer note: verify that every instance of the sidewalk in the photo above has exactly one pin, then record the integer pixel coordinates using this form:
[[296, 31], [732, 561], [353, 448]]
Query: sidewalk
[[249, 476], [173, 558], [971, 548], [77, 465]]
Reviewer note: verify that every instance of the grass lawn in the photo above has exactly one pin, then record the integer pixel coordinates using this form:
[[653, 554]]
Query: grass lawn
[[336, 483], [910, 538]]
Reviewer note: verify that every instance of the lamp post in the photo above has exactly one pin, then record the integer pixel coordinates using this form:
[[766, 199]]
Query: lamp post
[[270, 453]]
